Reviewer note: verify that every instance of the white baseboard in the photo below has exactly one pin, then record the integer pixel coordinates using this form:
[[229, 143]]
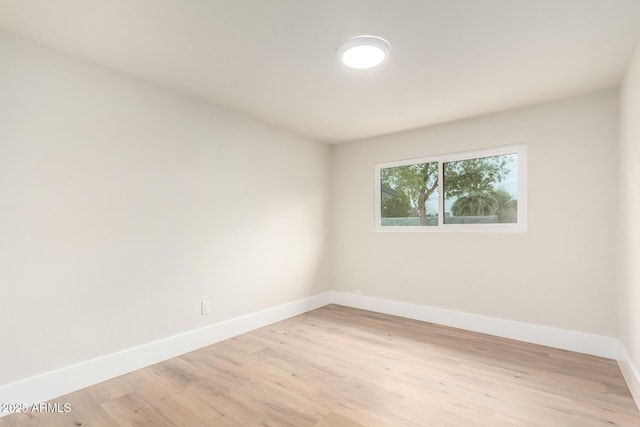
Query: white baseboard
[[597, 345], [62, 381], [71, 378], [631, 374]]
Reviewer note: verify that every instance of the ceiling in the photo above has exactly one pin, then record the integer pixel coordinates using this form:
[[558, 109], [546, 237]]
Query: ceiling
[[275, 60]]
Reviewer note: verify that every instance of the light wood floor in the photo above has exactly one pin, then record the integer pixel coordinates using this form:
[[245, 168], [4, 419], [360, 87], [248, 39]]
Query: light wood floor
[[338, 367]]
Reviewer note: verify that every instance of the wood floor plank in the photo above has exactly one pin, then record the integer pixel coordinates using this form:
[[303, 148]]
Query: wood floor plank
[[342, 367]]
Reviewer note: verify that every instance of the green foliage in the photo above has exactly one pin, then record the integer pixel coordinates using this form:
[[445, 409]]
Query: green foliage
[[417, 182], [487, 203], [476, 203], [466, 177], [507, 209], [413, 180], [398, 206]]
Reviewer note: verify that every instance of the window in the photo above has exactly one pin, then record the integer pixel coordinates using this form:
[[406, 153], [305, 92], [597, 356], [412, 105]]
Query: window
[[481, 190]]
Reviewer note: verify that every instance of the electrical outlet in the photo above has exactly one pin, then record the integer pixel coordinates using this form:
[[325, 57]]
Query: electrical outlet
[[357, 292], [206, 306]]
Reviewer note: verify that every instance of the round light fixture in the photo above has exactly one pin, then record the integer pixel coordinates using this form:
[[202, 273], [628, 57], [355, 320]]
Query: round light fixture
[[364, 52]]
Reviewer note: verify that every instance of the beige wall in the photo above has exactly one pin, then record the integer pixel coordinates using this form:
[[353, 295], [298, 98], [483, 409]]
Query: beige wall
[[123, 205], [629, 304], [561, 273]]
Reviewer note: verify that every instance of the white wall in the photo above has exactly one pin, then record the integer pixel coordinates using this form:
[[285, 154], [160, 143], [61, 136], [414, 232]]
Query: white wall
[[629, 303], [123, 205], [561, 273]]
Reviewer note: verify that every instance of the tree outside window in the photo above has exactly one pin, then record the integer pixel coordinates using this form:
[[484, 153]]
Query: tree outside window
[[475, 190]]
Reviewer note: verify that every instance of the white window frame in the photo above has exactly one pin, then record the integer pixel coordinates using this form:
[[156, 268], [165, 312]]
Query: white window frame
[[519, 227]]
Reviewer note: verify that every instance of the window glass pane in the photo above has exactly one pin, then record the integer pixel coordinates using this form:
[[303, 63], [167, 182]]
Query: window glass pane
[[409, 195], [482, 190]]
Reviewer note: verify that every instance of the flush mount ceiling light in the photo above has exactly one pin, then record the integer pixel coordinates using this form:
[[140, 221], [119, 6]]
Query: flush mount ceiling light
[[364, 52]]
